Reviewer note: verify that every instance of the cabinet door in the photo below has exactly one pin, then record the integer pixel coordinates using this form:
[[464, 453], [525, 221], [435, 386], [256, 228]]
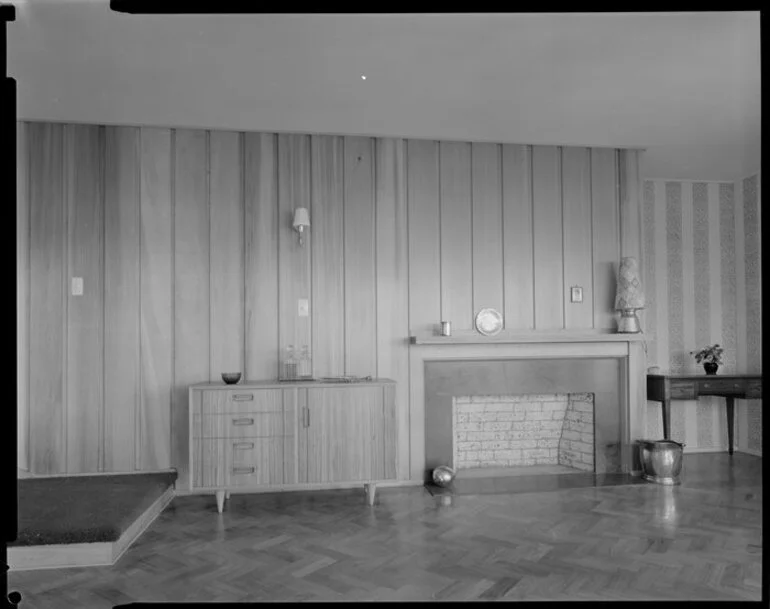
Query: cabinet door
[[343, 435]]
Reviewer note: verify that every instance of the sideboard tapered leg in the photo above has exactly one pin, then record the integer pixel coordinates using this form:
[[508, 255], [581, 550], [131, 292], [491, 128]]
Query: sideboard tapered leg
[[371, 488], [220, 501]]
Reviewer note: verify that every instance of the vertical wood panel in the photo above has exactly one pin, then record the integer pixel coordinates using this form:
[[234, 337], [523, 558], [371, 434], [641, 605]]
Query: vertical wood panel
[[226, 222], [630, 185], [121, 297], [191, 284], [85, 259], [547, 216], [424, 236], [359, 243], [456, 234], [22, 294], [46, 299], [294, 260], [606, 227], [487, 227], [328, 311], [518, 261], [576, 176], [392, 289], [260, 167], [156, 298]]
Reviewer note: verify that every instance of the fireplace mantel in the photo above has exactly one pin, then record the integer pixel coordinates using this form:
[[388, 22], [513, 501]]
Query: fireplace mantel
[[628, 349], [470, 337]]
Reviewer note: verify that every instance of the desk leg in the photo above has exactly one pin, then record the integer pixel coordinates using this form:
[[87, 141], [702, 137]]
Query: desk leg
[[666, 411], [730, 421]]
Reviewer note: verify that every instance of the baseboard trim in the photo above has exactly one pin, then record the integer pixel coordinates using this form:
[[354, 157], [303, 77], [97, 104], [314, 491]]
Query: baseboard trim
[[28, 474], [749, 451], [106, 553]]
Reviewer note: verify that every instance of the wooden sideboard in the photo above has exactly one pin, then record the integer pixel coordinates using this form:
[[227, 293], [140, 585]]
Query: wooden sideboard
[[666, 387], [291, 436]]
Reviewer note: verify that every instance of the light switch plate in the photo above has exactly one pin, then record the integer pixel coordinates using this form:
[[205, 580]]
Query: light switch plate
[[77, 286], [576, 294], [303, 308]]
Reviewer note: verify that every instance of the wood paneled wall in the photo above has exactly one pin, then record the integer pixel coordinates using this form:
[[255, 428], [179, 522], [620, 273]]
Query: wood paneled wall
[[191, 268]]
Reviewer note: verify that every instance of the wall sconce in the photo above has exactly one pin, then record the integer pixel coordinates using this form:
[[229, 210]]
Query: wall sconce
[[629, 296], [301, 223]]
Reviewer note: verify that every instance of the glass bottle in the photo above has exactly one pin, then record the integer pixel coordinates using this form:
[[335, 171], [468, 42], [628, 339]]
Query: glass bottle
[[290, 365], [304, 361]]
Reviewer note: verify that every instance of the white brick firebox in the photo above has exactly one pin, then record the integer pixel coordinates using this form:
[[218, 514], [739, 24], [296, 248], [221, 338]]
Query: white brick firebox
[[524, 430]]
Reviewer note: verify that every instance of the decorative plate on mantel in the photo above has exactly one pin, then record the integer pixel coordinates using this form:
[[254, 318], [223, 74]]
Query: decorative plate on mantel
[[489, 322]]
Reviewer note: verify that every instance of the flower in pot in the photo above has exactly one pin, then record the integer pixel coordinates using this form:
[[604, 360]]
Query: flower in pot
[[710, 357]]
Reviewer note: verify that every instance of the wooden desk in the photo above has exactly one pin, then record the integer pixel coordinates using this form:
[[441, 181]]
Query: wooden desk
[[666, 387]]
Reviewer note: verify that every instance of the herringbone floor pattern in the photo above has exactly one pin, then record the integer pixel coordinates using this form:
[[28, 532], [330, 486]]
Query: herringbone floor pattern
[[698, 541]]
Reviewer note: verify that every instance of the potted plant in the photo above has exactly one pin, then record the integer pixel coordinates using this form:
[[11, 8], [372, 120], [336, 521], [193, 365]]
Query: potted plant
[[710, 357]]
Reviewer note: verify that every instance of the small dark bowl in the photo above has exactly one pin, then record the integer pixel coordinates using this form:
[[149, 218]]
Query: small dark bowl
[[231, 377]]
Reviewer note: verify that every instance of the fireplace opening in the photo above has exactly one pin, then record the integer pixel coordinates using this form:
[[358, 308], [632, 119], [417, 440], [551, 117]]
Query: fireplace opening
[[534, 433]]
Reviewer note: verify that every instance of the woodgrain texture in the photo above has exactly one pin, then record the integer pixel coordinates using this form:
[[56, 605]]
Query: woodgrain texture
[[327, 225], [47, 293], [22, 295], [606, 231], [392, 288], [389, 253], [191, 282], [487, 228], [260, 175], [547, 235], [156, 289], [294, 267], [121, 297], [359, 243], [578, 267], [226, 225], [457, 278], [518, 249], [85, 321], [424, 236]]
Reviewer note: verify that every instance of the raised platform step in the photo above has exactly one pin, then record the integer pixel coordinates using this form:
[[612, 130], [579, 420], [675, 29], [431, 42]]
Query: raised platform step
[[76, 521]]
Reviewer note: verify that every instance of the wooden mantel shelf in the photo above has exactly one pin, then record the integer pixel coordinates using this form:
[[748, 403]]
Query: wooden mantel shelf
[[470, 337]]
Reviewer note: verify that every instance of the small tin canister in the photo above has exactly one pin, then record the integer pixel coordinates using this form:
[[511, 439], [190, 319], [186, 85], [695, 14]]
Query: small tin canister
[[446, 328]]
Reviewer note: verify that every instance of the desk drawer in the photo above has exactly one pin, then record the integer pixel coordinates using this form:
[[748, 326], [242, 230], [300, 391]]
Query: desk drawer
[[721, 387], [683, 390], [754, 390]]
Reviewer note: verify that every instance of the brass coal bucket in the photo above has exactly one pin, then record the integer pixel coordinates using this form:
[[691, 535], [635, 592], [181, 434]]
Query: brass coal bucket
[[661, 461]]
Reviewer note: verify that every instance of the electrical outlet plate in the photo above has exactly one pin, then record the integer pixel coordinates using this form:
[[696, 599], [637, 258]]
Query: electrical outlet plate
[[77, 286], [303, 308], [576, 294]]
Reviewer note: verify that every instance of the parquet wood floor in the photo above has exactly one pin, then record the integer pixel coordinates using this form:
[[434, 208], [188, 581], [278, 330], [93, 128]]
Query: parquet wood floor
[[698, 541]]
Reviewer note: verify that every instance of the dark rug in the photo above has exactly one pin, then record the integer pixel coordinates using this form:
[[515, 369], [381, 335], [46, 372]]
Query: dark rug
[[540, 483], [84, 509]]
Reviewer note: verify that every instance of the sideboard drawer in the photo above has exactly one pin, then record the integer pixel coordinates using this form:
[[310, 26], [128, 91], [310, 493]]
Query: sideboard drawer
[[722, 387], [683, 390], [238, 463], [754, 390], [240, 425], [242, 401]]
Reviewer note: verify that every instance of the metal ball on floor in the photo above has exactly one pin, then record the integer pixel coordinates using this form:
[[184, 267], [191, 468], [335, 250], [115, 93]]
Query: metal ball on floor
[[443, 475]]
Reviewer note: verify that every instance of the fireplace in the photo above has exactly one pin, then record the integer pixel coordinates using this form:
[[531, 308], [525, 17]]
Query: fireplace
[[494, 431], [472, 369]]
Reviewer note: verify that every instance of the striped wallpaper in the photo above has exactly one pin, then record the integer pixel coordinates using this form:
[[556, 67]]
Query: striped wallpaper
[[703, 285]]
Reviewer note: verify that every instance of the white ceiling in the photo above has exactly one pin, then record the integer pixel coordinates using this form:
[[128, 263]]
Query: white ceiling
[[685, 86]]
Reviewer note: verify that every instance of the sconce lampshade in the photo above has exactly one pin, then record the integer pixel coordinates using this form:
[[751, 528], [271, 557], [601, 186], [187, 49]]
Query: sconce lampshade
[[629, 294], [301, 218]]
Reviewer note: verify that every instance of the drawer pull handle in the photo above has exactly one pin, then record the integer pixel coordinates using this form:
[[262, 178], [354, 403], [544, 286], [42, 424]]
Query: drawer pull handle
[[243, 445], [243, 397], [736, 385], [706, 385], [243, 421], [244, 470]]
